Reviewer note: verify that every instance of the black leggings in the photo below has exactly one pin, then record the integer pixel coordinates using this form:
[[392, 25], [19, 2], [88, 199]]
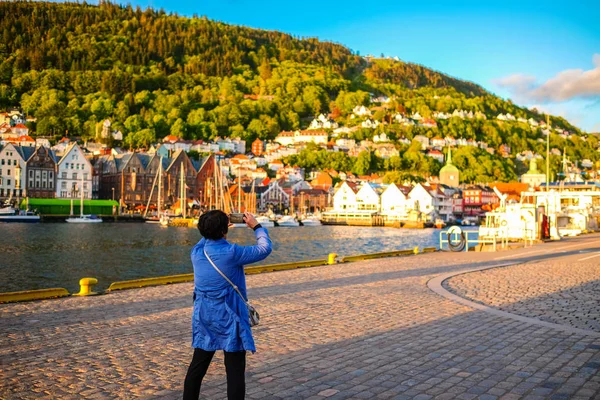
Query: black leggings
[[235, 366]]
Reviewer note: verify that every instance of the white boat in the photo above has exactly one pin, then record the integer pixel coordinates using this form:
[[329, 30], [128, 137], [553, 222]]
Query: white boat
[[311, 221], [287, 220], [83, 219], [265, 221], [164, 220], [10, 214]]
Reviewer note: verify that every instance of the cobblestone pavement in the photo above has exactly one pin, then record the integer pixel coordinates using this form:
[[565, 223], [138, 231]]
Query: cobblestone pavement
[[365, 330], [561, 292]]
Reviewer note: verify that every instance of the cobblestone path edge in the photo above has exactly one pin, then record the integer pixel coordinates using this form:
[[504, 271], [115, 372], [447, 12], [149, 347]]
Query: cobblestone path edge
[[435, 284]]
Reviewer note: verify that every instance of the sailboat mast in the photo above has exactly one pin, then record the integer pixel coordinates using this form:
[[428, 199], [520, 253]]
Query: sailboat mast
[[182, 194], [253, 198], [216, 185], [159, 185], [150, 197], [81, 205], [240, 191]]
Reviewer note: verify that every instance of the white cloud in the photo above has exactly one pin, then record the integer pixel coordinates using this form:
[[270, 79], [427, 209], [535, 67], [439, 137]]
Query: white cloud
[[566, 85]]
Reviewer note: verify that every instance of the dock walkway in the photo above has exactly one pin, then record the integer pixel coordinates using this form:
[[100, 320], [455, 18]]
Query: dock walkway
[[363, 330]]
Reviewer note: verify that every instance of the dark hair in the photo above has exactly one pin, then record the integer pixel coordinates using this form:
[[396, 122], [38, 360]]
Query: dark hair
[[213, 224]]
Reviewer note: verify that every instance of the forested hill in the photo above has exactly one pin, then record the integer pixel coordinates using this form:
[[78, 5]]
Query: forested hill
[[71, 66], [82, 37]]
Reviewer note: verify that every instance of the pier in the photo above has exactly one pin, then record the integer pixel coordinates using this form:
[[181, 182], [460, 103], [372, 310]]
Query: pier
[[522, 323]]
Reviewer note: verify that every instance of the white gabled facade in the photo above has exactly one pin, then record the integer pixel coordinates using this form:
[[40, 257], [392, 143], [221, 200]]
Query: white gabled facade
[[70, 169], [421, 199], [344, 199], [394, 204], [13, 169], [367, 199]]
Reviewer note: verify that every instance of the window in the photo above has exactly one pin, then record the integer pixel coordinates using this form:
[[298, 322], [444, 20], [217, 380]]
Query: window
[[77, 165], [8, 182], [64, 175], [85, 186], [31, 183], [74, 175], [31, 174], [14, 162], [63, 185], [63, 193], [44, 185], [50, 175], [51, 185], [67, 165], [8, 172]]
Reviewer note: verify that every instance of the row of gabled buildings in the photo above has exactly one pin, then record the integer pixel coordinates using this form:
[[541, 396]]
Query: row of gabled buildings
[[131, 178], [431, 201]]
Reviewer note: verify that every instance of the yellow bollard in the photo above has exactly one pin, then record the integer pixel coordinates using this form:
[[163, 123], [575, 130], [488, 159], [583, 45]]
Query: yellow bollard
[[331, 258], [416, 250], [85, 285]]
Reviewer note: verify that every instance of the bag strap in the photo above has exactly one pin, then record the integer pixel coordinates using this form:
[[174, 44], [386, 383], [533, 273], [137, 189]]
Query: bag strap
[[226, 278]]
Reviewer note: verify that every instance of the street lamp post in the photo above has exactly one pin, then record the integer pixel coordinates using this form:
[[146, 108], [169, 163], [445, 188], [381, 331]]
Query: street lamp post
[[113, 194]]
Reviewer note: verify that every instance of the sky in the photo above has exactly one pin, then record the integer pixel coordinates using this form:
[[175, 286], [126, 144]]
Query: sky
[[537, 53]]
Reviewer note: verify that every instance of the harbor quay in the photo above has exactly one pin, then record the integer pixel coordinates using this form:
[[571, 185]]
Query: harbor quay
[[516, 324]]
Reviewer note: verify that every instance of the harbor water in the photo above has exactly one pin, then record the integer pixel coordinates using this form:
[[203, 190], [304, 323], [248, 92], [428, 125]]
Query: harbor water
[[38, 256]]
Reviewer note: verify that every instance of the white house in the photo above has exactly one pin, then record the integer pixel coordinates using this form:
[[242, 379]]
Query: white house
[[13, 170], [438, 142], [236, 145], [394, 203], [443, 204], [344, 199], [275, 165], [370, 124], [74, 174], [450, 141], [381, 138], [361, 111], [386, 151], [345, 143], [437, 155], [322, 122], [290, 138], [424, 140], [367, 199], [422, 200]]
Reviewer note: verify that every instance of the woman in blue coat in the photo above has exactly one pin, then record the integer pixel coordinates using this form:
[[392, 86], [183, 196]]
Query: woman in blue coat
[[220, 320]]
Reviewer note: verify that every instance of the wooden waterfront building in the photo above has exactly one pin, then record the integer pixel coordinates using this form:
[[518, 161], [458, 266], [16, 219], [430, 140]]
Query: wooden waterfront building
[[41, 174]]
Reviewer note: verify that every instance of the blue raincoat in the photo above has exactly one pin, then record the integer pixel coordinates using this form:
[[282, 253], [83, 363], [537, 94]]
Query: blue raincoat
[[220, 320]]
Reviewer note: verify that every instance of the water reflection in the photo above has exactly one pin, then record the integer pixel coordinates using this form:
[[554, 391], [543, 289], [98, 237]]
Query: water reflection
[[36, 256]]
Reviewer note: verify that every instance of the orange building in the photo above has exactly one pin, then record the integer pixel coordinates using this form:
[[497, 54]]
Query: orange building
[[258, 147]]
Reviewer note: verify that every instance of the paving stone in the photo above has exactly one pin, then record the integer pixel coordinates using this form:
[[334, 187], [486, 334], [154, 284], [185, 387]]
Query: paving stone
[[369, 329]]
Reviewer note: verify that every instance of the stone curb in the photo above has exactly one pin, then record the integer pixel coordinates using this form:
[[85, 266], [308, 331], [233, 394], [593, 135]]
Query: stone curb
[[435, 284]]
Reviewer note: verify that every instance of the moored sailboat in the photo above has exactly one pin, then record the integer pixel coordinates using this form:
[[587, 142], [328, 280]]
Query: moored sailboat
[[83, 218]]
